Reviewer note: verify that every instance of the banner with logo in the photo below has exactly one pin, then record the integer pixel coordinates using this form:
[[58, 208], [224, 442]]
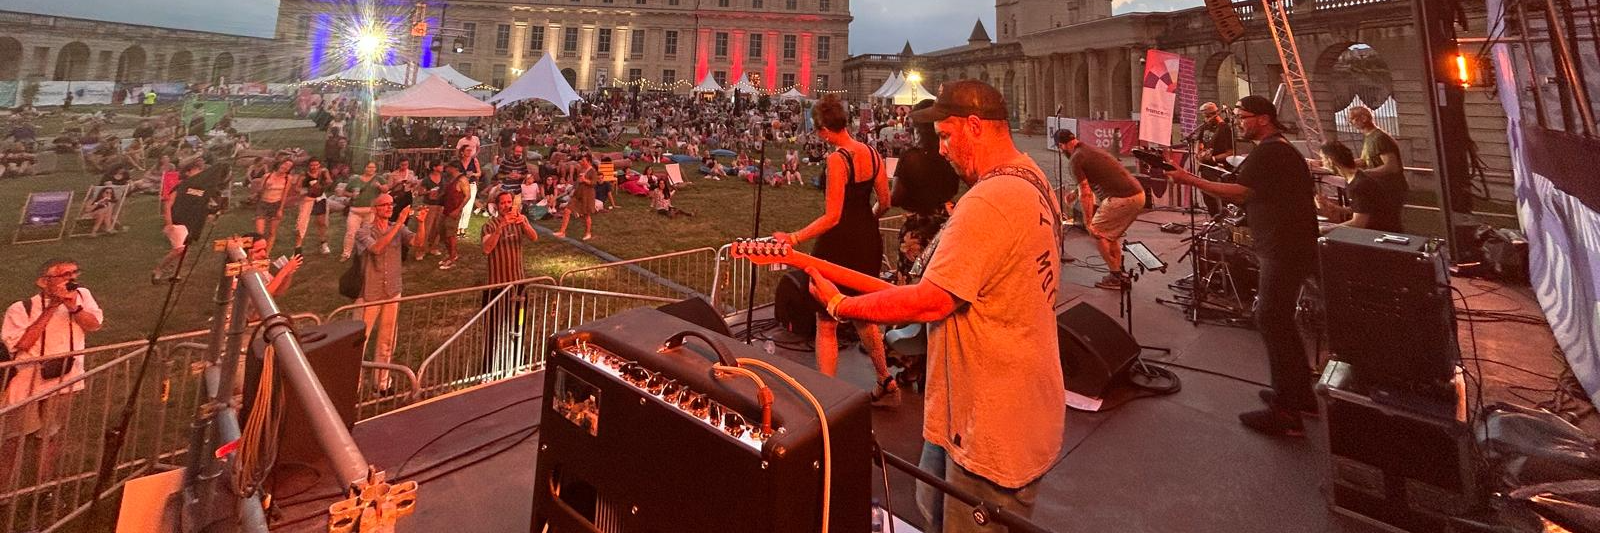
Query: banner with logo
[[1161, 71], [1115, 136], [54, 93]]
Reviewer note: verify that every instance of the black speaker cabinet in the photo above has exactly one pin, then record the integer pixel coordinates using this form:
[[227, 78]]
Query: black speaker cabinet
[[334, 351], [793, 306], [1389, 311], [1095, 352], [1398, 467]]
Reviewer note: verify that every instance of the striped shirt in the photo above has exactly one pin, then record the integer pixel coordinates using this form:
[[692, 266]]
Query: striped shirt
[[505, 262], [608, 172]]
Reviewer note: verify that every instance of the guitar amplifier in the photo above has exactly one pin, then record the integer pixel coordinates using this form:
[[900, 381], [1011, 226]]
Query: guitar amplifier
[[638, 438]]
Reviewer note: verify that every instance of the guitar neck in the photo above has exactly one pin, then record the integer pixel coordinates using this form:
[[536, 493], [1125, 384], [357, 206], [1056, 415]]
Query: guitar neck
[[837, 274]]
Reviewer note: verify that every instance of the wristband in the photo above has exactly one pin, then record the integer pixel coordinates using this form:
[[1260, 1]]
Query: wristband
[[833, 305]]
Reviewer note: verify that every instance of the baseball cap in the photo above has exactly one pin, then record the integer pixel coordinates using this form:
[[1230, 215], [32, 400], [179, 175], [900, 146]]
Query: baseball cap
[[965, 98], [1064, 136], [1260, 105]]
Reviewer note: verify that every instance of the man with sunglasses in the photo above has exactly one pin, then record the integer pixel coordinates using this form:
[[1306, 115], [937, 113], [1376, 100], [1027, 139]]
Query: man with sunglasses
[[1275, 188], [380, 240], [54, 321]]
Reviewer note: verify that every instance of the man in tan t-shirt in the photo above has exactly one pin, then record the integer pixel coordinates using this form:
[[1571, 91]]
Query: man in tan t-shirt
[[995, 405]]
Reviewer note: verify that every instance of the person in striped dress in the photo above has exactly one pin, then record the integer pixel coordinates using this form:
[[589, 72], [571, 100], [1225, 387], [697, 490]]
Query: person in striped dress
[[502, 246]]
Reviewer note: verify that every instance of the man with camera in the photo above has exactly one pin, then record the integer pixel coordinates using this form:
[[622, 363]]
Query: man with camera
[[43, 326]]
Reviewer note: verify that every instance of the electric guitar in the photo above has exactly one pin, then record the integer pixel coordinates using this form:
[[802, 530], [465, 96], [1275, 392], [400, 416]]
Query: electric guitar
[[770, 252]]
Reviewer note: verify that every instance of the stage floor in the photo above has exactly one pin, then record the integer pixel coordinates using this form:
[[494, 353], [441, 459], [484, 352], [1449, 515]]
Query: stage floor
[[1159, 464]]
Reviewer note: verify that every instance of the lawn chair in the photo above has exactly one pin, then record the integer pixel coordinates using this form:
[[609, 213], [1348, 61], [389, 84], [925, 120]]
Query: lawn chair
[[675, 175]]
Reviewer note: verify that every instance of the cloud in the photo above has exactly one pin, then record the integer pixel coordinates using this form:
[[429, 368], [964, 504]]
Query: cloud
[[256, 18]]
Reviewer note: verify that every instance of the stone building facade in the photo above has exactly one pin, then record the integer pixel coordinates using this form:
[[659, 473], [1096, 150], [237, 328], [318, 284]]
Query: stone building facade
[[1075, 59], [665, 43]]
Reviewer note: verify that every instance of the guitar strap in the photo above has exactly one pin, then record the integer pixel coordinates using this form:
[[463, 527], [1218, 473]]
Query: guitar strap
[[1016, 171]]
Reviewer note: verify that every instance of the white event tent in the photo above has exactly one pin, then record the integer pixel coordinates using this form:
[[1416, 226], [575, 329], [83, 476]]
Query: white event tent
[[743, 86], [910, 92], [432, 97], [396, 74], [889, 86], [543, 81], [793, 94], [708, 85]]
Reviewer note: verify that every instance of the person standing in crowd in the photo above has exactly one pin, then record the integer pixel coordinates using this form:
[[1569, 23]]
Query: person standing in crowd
[[516, 163], [995, 408], [847, 234], [457, 196], [1380, 155], [56, 320], [502, 246], [1121, 199], [431, 189], [270, 200], [184, 213], [381, 280], [148, 103], [258, 249], [1375, 203], [362, 191], [583, 199], [1276, 190], [314, 189]]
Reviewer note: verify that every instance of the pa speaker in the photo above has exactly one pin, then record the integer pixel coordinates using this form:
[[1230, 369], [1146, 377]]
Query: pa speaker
[[334, 352], [1229, 27], [1095, 353], [793, 306]]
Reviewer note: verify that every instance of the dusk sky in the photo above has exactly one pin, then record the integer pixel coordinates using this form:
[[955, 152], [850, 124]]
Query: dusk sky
[[881, 26]]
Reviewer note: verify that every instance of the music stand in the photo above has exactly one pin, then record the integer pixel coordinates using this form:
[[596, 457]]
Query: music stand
[[1152, 378]]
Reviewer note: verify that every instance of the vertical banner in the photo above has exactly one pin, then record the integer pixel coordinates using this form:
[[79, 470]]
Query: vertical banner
[[1188, 96], [1161, 71]]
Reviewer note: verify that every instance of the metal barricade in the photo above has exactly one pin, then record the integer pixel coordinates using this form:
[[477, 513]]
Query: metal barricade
[[679, 275], [451, 340], [51, 441]]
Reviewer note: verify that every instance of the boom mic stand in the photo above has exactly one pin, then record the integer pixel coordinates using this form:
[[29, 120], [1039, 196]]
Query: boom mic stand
[[755, 232]]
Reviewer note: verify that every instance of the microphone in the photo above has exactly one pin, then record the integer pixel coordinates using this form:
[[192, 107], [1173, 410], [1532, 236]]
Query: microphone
[[1058, 109], [73, 286]]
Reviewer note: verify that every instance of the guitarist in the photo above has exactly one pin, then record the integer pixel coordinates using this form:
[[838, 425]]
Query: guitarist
[[847, 235], [995, 404]]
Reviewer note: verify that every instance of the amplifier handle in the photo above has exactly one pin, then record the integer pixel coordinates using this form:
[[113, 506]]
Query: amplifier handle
[[572, 514], [723, 355]]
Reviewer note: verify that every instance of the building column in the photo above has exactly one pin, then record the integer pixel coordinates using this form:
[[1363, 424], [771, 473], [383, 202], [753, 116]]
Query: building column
[[41, 62], [1099, 105], [1035, 89], [1062, 86]]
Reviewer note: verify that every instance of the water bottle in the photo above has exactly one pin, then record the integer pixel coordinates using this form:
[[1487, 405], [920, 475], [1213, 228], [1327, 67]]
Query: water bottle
[[769, 347]]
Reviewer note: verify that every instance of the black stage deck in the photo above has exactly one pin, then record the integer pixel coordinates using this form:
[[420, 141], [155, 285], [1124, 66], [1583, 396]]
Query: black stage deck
[[1179, 463]]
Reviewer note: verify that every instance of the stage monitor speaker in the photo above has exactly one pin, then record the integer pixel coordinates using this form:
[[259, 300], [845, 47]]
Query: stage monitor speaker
[[1389, 311], [699, 312], [1095, 353], [1229, 27], [793, 306], [334, 351]]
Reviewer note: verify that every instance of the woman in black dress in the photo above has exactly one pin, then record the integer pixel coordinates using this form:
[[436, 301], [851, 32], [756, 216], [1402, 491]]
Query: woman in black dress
[[847, 232]]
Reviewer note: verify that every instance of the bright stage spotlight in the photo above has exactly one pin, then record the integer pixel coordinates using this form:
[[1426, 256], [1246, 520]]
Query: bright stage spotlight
[[369, 44]]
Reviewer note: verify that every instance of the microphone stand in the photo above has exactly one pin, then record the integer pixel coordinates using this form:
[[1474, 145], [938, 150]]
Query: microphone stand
[[755, 233]]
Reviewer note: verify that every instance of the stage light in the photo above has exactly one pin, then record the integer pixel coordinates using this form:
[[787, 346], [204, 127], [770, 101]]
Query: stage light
[[914, 77], [1463, 73], [368, 43]]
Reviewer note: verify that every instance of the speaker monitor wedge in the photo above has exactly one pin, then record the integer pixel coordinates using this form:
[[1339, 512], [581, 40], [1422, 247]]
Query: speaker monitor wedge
[[1095, 353]]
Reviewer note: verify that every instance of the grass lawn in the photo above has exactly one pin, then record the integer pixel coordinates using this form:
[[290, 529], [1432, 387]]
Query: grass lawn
[[116, 267]]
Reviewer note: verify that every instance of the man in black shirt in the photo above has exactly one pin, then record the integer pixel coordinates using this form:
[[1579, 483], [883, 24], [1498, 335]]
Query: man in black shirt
[[1215, 148], [1375, 203], [1276, 190], [188, 212]]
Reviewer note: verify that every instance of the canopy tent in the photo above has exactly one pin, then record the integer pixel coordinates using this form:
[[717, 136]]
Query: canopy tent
[[396, 74], [889, 86], [542, 81], [793, 94], [743, 86], [909, 93], [432, 97], [708, 85]]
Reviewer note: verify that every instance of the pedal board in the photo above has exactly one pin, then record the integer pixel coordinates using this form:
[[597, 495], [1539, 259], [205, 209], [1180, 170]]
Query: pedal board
[[1174, 227]]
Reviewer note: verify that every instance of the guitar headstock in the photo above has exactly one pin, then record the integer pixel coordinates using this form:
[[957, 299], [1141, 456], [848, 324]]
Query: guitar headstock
[[760, 251]]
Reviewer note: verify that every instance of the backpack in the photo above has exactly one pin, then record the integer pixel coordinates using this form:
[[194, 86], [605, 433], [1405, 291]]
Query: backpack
[[353, 278]]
